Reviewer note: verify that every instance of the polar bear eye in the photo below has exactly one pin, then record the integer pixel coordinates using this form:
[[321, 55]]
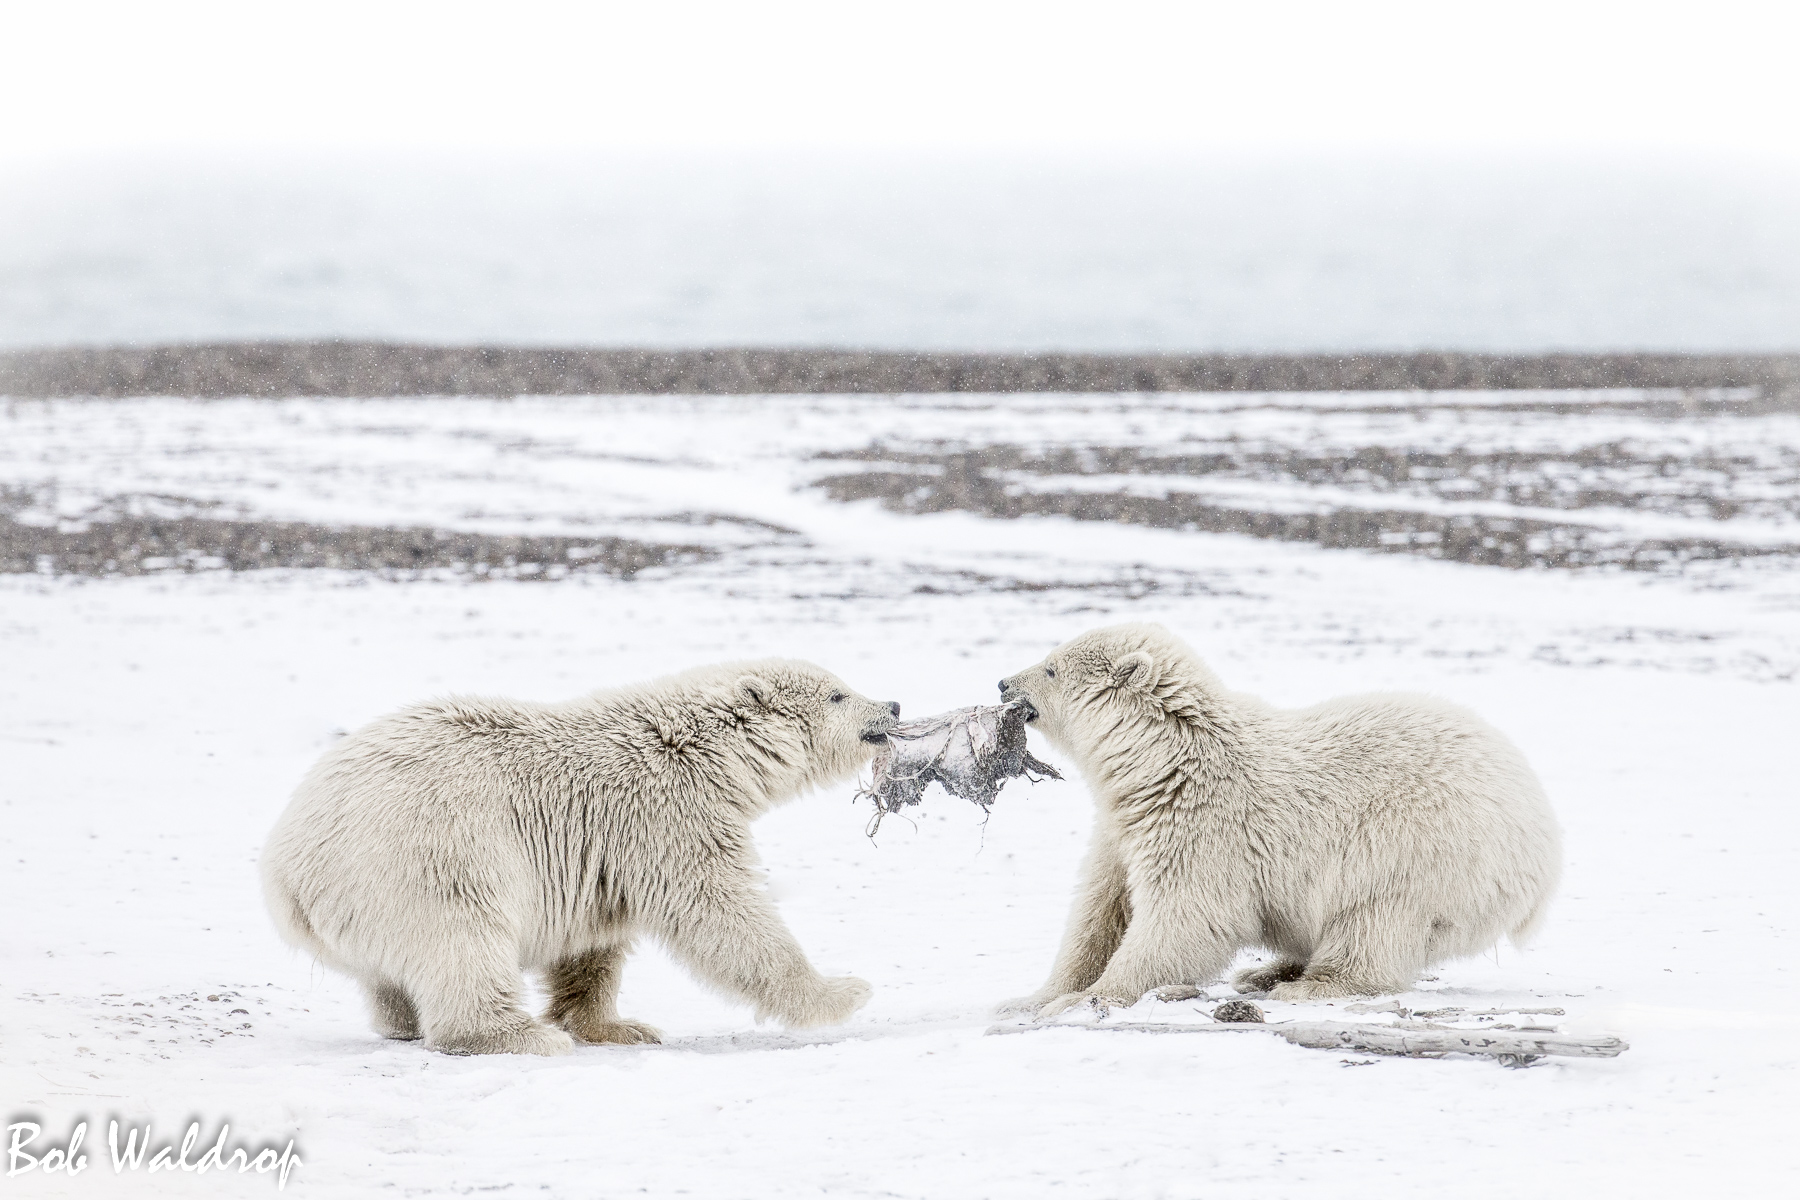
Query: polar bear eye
[[838, 697], [1050, 672]]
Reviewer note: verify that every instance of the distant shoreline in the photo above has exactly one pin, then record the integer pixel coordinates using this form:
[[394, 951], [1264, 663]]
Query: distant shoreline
[[343, 368]]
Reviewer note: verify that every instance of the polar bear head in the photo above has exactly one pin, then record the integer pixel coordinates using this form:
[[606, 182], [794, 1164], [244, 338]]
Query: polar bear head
[[797, 725], [1096, 685]]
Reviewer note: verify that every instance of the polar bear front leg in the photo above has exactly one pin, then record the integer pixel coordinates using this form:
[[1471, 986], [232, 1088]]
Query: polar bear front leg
[[1097, 923], [584, 997], [717, 919]]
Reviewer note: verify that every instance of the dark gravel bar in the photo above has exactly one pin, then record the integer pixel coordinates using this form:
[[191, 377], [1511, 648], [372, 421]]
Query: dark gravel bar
[[143, 546], [1515, 542], [335, 368]]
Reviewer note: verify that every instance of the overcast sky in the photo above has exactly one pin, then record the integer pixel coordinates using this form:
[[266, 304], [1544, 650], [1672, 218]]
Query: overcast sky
[[94, 77]]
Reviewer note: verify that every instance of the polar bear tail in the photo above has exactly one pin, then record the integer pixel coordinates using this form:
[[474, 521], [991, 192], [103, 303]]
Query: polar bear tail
[[290, 917], [1541, 880], [1527, 929]]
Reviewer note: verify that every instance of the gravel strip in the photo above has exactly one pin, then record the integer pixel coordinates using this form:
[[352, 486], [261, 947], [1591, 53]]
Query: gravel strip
[[143, 546], [333, 368]]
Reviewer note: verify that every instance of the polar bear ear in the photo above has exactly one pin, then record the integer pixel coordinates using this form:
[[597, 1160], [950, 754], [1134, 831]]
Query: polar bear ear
[[1137, 670], [755, 689]]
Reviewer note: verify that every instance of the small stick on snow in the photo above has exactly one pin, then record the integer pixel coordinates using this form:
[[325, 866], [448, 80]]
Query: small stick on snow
[[1435, 1013], [1432, 1014], [1518, 1048]]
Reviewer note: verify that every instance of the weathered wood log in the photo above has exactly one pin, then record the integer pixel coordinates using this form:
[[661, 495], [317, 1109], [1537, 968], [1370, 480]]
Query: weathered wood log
[[1410, 1041]]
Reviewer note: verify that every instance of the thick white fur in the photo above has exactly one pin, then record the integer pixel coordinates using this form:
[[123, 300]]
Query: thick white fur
[[438, 851], [1361, 839]]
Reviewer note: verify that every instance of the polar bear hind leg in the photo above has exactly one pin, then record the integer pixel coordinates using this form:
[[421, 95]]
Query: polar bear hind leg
[[468, 1001], [392, 1011], [584, 994], [1370, 950], [1265, 977]]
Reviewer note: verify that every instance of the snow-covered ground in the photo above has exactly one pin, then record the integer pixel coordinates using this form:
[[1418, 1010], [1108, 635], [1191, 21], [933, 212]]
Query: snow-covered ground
[[151, 728]]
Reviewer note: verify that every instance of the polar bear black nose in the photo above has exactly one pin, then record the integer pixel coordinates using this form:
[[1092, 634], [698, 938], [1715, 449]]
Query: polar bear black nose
[[1003, 687], [894, 707]]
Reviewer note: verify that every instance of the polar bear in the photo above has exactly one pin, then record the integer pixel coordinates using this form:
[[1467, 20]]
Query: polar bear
[[438, 851], [1361, 839]]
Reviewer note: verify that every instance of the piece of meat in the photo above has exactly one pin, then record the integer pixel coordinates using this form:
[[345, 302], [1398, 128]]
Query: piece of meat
[[969, 752]]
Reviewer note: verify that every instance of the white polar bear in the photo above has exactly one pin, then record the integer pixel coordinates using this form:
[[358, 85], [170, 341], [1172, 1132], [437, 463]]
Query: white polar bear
[[438, 851], [1361, 839]]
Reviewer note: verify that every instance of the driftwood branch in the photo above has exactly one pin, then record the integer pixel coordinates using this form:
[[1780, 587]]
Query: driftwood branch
[[1408, 1040], [1436, 1014]]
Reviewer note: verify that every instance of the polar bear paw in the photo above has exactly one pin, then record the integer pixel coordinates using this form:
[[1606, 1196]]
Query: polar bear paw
[[616, 1032], [1024, 1005], [831, 1002], [1100, 1004], [1298, 991], [525, 1038], [1172, 993], [1265, 977]]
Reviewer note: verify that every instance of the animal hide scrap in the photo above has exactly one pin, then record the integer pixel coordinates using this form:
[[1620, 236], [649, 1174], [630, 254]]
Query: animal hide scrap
[[969, 752]]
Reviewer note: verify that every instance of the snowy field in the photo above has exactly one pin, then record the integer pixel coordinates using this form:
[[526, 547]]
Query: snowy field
[[157, 706]]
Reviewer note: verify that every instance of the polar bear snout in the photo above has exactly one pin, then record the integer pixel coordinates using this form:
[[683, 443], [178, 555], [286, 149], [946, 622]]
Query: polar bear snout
[[876, 733], [1012, 695]]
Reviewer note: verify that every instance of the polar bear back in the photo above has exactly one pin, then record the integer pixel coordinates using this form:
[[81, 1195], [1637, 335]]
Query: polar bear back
[[1402, 792], [559, 822]]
